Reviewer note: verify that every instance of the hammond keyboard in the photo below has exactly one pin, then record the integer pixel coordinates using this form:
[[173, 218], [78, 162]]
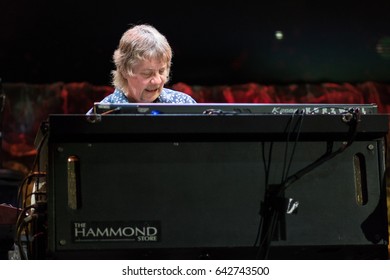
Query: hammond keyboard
[[232, 108]]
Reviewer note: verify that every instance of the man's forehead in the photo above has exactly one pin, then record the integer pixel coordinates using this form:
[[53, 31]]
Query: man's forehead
[[150, 64]]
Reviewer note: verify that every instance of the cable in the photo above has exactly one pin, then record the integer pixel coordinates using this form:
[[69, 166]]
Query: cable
[[296, 129], [270, 217], [353, 129], [29, 211], [273, 207], [22, 224], [267, 167]]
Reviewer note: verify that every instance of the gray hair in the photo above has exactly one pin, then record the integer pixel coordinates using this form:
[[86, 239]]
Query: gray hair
[[138, 43]]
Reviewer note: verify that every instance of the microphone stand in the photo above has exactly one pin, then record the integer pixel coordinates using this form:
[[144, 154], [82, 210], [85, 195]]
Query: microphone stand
[[274, 205]]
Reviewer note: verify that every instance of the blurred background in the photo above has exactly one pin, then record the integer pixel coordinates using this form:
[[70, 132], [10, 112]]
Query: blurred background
[[56, 58], [230, 43]]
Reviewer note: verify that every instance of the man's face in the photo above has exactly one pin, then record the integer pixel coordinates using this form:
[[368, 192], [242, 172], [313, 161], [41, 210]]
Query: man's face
[[147, 81]]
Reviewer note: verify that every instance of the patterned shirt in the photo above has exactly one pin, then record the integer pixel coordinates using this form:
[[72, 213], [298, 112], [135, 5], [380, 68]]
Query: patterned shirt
[[167, 96]]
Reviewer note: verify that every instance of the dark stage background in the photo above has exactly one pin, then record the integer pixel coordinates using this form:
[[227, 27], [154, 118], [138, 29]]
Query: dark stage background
[[232, 42], [55, 56]]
